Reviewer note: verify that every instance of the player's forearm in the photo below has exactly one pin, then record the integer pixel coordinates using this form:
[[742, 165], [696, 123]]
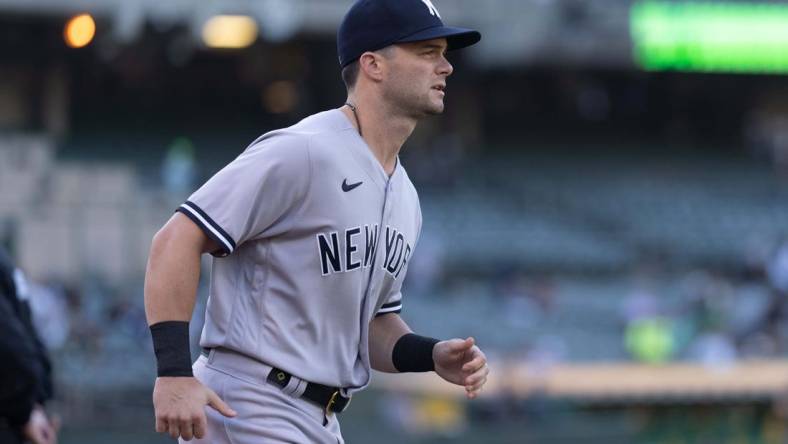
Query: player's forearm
[[172, 276], [384, 332]]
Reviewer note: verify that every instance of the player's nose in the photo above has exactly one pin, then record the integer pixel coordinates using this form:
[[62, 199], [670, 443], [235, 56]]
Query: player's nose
[[445, 68]]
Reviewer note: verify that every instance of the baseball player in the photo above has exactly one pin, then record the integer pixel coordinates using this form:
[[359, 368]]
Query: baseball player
[[312, 228]]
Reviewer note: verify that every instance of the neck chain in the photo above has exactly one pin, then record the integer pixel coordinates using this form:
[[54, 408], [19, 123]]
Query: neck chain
[[355, 115]]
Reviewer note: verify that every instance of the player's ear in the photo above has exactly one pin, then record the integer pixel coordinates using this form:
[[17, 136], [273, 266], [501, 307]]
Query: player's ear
[[372, 66]]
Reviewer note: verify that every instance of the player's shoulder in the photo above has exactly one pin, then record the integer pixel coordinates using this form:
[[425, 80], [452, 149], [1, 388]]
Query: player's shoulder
[[321, 123], [301, 136]]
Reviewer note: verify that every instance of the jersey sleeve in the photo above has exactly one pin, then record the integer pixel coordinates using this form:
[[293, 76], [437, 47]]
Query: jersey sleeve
[[255, 196], [392, 305]]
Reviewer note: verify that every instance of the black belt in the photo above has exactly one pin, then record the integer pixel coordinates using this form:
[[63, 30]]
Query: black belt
[[330, 398]]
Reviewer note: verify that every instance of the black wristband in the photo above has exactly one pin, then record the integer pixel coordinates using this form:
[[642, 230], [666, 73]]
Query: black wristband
[[413, 353], [171, 345]]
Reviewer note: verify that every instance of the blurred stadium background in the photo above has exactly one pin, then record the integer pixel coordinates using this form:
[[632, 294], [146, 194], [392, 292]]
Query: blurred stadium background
[[604, 202]]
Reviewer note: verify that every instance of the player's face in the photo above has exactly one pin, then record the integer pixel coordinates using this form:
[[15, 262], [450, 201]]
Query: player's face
[[416, 79]]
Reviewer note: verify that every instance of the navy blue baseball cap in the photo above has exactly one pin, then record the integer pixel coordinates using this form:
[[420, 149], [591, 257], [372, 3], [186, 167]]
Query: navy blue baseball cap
[[370, 25]]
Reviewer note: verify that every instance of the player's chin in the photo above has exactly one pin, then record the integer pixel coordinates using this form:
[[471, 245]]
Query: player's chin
[[427, 106], [435, 108]]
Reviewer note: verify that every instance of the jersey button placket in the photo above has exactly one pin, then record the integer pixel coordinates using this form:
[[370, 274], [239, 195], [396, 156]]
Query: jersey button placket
[[385, 221], [375, 278]]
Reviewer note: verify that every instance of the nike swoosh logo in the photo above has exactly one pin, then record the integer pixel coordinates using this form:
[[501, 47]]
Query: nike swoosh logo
[[352, 186]]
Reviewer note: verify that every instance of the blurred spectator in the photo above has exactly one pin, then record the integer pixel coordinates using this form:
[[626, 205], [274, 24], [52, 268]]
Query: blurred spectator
[[25, 371], [714, 348], [50, 314], [518, 308], [746, 321], [648, 333], [526, 304], [85, 313], [127, 321], [641, 303], [650, 340], [777, 268], [709, 300], [777, 273]]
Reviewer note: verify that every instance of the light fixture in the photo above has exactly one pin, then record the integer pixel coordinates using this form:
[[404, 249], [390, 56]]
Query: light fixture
[[229, 31], [79, 31]]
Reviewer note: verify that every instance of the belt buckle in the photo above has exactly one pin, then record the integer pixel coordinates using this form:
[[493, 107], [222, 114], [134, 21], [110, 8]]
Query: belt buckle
[[333, 401]]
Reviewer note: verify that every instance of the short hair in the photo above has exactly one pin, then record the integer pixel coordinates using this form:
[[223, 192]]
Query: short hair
[[350, 75], [350, 72]]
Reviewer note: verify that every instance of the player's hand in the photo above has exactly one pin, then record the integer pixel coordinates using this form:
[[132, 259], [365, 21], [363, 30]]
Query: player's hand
[[179, 403], [39, 429], [461, 362]]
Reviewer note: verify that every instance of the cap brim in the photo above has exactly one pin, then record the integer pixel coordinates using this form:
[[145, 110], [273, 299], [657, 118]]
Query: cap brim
[[456, 38]]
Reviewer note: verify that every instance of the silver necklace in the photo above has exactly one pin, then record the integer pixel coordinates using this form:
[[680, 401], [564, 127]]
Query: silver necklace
[[355, 115]]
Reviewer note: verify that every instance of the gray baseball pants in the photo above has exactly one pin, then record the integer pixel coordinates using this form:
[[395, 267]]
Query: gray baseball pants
[[266, 413]]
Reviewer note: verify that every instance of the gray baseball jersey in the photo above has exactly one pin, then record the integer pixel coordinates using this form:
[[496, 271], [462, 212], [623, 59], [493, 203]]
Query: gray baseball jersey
[[315, 241]]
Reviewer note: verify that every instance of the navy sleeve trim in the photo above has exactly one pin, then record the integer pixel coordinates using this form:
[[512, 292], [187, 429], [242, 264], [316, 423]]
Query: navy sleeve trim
[[211, 228], [381, 313], [391, 307]]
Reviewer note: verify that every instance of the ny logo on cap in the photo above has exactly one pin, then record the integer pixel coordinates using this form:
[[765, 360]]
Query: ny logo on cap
[[433, 9]]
